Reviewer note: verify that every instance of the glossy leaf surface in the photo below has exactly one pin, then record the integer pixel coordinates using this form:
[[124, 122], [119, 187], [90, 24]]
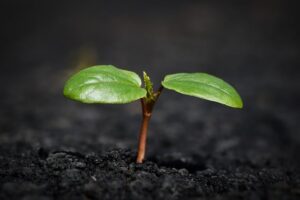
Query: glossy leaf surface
[[203, 86], [104, 84]]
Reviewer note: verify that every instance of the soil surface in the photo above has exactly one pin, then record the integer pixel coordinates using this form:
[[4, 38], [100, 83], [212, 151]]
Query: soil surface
[[40, 174], [54, 148]]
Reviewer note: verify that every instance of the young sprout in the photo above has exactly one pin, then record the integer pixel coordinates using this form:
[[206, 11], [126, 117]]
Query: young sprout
[[110, 85]]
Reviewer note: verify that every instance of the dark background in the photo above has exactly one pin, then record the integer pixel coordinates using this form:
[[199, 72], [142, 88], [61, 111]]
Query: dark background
[[254, 45]]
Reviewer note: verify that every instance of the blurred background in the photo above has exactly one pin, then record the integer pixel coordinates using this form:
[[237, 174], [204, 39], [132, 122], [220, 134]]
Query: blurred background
[[253, 45]]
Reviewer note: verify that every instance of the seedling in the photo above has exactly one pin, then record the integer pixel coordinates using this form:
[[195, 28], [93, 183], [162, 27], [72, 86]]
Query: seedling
[[110, 85]]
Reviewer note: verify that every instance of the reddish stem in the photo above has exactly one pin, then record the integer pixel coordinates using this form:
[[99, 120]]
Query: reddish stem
[[143, 135], [147, 107]]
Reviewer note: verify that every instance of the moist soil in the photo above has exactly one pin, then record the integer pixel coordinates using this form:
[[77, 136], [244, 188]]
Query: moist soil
[[28, 173]]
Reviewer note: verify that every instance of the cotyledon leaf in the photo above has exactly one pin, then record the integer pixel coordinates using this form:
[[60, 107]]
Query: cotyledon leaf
[[104, 84], [203, 86]]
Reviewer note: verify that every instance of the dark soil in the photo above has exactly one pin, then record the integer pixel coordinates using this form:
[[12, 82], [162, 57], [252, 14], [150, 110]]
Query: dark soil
[[40, 174], [53, 148]]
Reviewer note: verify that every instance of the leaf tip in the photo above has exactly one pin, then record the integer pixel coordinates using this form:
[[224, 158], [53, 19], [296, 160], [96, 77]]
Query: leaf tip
[[66, 89], [145, 76], [239, 103]]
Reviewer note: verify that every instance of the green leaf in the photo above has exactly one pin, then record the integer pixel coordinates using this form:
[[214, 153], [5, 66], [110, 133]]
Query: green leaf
[[104, 84], [204, 86]]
